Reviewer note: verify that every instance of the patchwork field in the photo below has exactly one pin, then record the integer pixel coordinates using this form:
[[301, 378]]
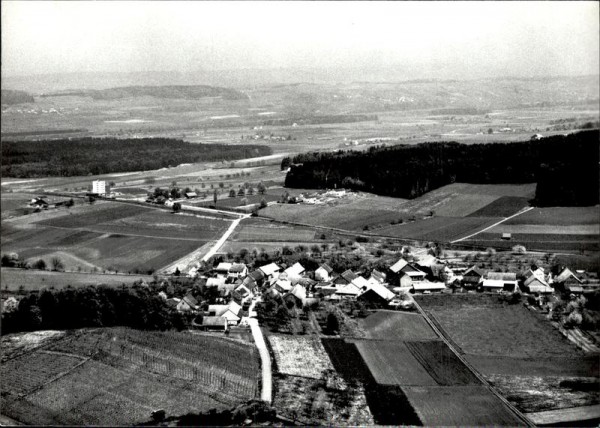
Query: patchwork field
[[12, 279], [119, 376], [300, 356], [264, 231], [111, 236], [438, 228], [397, 326]]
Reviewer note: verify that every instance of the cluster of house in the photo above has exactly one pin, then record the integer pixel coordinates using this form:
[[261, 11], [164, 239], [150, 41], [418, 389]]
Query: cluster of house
[[43, 202], [237, 287]]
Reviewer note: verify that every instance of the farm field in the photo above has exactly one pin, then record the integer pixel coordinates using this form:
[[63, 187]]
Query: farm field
[[459, 406], [111, 236], [300, 356], [392, 325], [502, 207], [438, 228], [558, 216], [119, 376], [471, 320], [538, 242], [264, 231], [12, 279]]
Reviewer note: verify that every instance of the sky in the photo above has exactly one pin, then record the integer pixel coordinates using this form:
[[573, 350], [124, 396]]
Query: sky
[[426, 39]]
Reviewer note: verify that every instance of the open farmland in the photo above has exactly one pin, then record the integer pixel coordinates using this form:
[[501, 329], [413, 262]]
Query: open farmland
[[119, 376], [438, 228], [459, 406], [300, 356], [484, 325], [264, 231], [391, 325], [12, 279], [111, 236]]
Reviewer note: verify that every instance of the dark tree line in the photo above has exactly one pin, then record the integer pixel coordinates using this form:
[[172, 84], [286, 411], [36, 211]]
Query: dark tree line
[[72, 157], [565, 168], [72, 308]]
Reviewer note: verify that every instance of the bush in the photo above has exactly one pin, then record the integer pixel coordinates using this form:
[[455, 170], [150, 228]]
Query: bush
[[40, 264]]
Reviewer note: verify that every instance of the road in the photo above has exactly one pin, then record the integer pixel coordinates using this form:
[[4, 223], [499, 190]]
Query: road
[[223, 238], [267, 381], [523, 211]]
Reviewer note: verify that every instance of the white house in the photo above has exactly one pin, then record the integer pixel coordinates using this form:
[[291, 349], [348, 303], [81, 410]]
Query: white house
[[99, 187], [294, 271], [270, 270], [231, 312], [323, 272]]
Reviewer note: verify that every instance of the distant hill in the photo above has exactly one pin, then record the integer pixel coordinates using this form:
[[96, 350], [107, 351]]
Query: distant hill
[[185, 92], [10, 97]]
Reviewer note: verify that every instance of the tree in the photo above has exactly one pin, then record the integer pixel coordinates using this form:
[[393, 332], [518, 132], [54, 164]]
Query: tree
[[250, 190], [261, 188], [221, 185], [57, 264], [176, 207], [285, 163], [263, 203], [215, 197], [490, 131], [241, 192], [40, 264], [333, 323], [232, 193]]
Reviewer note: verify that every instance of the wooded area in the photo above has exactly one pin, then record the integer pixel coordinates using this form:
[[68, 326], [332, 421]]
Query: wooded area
[[565, 168], [85, 156]]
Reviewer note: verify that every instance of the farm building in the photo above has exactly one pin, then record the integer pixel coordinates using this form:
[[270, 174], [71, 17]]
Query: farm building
[[403, 268], [567, 277], [283, 285], [294, 271], [223, 268], [378, 276], [376, 294], [535, 284], [39, 203], [237, 270], [231, 312], [500, 281], [506, 236], [426, 260], [348, 291], [269, 270], [348, 276], [427, 287], [190, 195], [323, 272], [169, 203], [360, 282], [212, 323], [258, 276], [244, 292], [215, 282]]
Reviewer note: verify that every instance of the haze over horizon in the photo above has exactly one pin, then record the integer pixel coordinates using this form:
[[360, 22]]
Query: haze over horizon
[[377, 40]]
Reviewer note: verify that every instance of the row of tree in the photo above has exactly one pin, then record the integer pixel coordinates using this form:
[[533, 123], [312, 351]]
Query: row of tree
[[102, 306], [565, 168], [84, 156]]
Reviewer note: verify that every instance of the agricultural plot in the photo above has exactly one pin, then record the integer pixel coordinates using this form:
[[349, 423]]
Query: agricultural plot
[[483, 325], [538, 242], [502, 207], [558, 216], [300, 356], [130, 374], [272, 232], [12, 280], [392, 363], [391, 325], [459, 406], [438, 228]]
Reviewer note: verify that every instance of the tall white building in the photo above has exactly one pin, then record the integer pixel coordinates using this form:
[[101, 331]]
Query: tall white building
[[99, 187]]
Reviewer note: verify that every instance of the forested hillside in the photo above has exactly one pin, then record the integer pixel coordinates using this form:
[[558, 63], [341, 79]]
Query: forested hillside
[[565, 168], [25, 159]]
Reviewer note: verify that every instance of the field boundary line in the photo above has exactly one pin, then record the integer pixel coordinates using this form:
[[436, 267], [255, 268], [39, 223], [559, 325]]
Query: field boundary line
[[476, 373], [523, 211], [223, 238]]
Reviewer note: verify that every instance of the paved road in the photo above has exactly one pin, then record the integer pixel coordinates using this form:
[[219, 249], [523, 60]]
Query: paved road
[[493, 225], [267, 381]]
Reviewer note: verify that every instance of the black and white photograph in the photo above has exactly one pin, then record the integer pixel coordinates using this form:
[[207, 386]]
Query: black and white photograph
[[300, 213]]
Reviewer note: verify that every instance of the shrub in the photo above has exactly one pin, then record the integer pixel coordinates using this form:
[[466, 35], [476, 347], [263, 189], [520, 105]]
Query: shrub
[[40, 264]]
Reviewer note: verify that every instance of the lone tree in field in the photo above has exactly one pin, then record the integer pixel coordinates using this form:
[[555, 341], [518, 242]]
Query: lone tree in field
[[261, 188], [40, 264], [176, 207], [232, 193], [57, 264], [263, 203], [215, 197]]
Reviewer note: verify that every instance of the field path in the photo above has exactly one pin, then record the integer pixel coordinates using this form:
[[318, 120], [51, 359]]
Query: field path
[[476, 373], [223, 238], [267, 382], [523, 211]]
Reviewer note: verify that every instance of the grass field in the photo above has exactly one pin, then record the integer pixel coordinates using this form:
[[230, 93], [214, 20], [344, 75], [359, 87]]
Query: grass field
[[502, 207], [483, 325], [12, 279], [390, 325], [119, 376], [261, 232], [540, 242], [558, 216], [459, 406]]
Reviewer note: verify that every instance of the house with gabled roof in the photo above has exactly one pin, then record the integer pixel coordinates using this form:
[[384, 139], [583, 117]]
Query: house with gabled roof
[[427, 287], [237, 270], [231, 312], [294, 271], [376, 294], [212, 323], [535, 284], [223, 268], [215, 282], [187, 304], [568, 282], [472, 277], [348, 276], [407, 272], [282, 285], [323, 273], [348, 291], [378, 276], [244, 292]]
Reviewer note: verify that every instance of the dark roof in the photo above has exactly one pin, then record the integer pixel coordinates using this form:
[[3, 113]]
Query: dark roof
[[190, 300], [327, 267], [474, 270], [237, 267], [257, 274], [214, 321]]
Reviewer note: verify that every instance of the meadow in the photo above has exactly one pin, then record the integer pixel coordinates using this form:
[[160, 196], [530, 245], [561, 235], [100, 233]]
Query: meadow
[[119, 376], [391, 325]]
